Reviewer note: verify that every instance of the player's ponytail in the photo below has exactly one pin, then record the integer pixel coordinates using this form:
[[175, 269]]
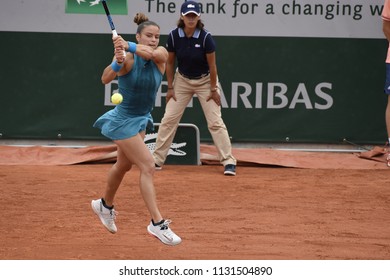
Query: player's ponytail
[[142, 21]]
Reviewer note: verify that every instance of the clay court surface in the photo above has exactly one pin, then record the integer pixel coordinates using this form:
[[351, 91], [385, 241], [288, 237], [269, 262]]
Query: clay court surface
[[267, 212]]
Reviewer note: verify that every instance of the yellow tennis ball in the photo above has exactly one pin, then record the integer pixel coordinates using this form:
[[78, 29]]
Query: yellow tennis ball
[[116, 98]]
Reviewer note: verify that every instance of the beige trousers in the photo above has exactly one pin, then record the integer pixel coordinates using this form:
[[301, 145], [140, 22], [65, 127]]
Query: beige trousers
[[184, 89]]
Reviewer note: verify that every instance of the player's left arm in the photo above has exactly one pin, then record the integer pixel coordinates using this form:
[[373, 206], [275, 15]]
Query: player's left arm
[[160, 57]]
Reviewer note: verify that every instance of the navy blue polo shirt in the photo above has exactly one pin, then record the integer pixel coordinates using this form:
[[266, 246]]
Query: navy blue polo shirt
[[191, 52]]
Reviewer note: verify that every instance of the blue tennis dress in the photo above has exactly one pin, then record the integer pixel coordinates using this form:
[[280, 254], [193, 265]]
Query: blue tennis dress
[[133, 115]]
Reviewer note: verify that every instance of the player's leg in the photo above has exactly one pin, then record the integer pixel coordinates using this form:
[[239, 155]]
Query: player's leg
[[137, 152], [104, 207], [174, 110], [115, 176]]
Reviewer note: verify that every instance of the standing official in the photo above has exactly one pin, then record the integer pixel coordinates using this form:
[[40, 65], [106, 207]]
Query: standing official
[[194, 49]]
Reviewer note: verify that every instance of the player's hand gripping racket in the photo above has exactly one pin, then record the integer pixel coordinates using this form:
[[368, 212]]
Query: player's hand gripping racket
[[111, 22]]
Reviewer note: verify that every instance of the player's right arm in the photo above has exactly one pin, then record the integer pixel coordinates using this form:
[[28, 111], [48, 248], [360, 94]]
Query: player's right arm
[[127, 61], [109, 74]]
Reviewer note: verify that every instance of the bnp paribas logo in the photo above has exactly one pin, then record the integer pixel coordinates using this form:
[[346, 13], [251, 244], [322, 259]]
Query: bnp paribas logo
[[117, 7]]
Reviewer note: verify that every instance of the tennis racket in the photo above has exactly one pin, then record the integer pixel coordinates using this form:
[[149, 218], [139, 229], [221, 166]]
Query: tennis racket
[[110, 21]]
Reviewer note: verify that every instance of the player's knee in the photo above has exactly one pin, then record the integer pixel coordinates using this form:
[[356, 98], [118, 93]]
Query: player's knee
[[123, 167], [148, 168]]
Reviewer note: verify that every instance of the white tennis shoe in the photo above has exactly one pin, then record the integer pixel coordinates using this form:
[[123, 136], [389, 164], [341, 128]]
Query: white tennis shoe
[[107, 216], [164, 233]]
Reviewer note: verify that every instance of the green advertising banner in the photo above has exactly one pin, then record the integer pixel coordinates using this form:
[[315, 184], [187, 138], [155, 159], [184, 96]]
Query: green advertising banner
[[290, 71], [281, 89], [117, 7]]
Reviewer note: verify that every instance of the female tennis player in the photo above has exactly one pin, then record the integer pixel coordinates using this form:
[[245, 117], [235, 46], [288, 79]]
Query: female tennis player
[[139, 73]]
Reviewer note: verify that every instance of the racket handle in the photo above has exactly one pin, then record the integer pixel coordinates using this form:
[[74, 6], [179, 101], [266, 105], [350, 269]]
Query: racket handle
[[115, 34]]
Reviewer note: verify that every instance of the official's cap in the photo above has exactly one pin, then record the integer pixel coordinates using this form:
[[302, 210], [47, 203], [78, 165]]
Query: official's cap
[[190, 7]]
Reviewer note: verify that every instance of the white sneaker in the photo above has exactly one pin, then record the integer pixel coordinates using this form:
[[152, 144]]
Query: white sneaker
[[107, 216], [164, 233]]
